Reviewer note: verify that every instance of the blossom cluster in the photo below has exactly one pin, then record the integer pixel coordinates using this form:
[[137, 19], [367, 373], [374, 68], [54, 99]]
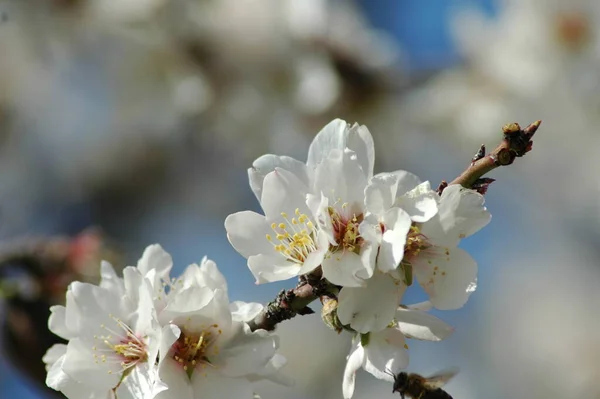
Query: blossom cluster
[[147, 335], [369, 235]]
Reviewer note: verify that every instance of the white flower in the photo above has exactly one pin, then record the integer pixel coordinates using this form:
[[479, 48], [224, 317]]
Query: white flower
[[393, 201], [113, 338], [208, 349], [447, 273], [287, 242], [384, 352]]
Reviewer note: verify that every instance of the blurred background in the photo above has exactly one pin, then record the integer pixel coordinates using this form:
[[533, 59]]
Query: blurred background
[[129, 122]]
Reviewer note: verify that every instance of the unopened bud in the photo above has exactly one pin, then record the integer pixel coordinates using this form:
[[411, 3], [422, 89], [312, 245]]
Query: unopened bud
[[329, 314]]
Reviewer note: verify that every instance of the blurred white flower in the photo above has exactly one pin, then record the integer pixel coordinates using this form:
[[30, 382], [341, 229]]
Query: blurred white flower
[[385, 352]]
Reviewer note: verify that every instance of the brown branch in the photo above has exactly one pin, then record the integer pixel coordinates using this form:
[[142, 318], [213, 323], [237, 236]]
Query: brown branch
[[291, 303], [515, 143]]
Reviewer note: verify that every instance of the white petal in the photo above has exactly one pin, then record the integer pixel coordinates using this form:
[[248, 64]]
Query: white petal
[[245, 311], [380, 193], [170, 334], [283, 192], [58, 380], [176, 379], [266, 164], [247, 232], [406, 181], [186, 302], [210, 384], [267, 269], [354, 362], [57, 323], [53, 354], [449, 278], [344, 268], [421, 203], [56, 377], [109, 278], [338, 135], [370, 229], [247, 353], [209, 275], [420, 325], [340, 178], [157, 259], [141, 383], [80, 364], [385, 353], [461, 213], [397, 224], [315, 258], [370, 308]]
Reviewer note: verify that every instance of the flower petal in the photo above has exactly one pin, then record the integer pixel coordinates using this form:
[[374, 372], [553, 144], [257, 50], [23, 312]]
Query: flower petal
[[385, 353], [339, 177], [283, 191], [397, 224], [354, 362], [267, 269], [461, 213], [449, 278], [315, 258], [109, 278], [245, 311], [338, 135], [247, 232], [54, 354], [176, 379], [247, 352], [420, 325], [141, 383], [346, 269], [267, 164], [406, 181], [79, 364], [155, 258], [370, 308], [380, 193], [57, 323], [421, 203]]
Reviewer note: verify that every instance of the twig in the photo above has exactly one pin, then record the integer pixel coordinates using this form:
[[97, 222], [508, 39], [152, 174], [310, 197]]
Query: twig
[[515, 143], [291, 303]]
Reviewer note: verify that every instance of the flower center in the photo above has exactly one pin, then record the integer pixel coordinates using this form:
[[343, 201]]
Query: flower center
[[415, 243], [296, 237], [345, 229], [122, 347], [193, 349]]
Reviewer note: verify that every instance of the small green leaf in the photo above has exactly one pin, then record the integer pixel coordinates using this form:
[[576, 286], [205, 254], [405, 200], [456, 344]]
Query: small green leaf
[[408, 273]]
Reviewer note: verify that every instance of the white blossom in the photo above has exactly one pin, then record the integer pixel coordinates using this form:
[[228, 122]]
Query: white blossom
[[393, 201], [447, 273], [293, 238], [385, 352], [113, 337], [208, 349]]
